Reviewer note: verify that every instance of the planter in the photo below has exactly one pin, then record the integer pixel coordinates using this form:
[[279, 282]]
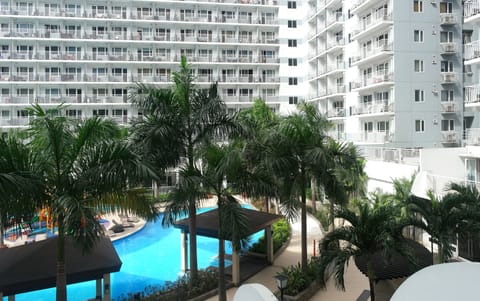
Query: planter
[[304, 295]]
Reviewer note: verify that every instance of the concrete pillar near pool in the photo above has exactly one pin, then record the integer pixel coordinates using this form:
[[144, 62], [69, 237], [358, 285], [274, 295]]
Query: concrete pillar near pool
[[106, 287], [1, 295], [235, 267], [183, 251], [269, 240], [11, 298], [98, 287]]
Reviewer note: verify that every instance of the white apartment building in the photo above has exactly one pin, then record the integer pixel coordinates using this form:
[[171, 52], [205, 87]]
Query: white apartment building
[[388, 72], [86, 54]]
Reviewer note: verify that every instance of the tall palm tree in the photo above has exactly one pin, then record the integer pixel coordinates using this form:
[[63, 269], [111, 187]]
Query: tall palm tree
[[175, 123], [222, 165], [340, 170], [445, 218], [21, 188], [295, 145], [87, 170], [370, 229]]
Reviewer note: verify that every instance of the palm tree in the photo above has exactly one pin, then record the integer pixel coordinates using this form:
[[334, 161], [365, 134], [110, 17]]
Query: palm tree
[[445, 218], [369, 229], [21, 188], [340, 170], [175, 123], [87, 170], [295, 145], [222, 164]]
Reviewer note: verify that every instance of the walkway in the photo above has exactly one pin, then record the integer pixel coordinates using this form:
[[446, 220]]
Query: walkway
[[356, 283]]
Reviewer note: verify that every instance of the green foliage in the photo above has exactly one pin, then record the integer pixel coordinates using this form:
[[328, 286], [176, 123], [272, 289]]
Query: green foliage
[[298, 280], [281, 233], [184, 288], [322, 216]]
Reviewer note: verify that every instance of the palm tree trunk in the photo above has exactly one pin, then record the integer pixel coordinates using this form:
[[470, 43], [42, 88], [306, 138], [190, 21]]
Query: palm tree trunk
[[304, 222], [313, 184], [222, 290], [61, 285], [192, 215], [372, 289], [331, 215], [2, 232]]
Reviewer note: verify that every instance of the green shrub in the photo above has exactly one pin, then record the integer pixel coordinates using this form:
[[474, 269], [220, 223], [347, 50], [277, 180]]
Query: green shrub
[[182, 289], [297, 279], [281, 233]]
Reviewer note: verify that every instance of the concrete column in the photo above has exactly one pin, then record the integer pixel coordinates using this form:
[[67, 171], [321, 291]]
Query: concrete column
[[235, 268], [106, 287], [11, 298], [183, 251], [269, 243], [98, 286]]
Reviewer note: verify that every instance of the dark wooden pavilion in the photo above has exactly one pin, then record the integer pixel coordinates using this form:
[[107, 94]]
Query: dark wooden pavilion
[[33, 267], [207, 225]]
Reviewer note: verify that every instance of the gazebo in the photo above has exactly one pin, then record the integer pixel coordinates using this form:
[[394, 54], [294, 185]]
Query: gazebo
[[207, 225], [33, 266]]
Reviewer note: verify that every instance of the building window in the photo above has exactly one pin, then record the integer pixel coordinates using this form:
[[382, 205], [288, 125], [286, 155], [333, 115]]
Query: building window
[[446, 7], [292, 81], [292, 24], [419, 96], [418, 36], [446, 95], [293, 100], [446, 66], [292, 62], [418, 66], [383, 126], [292, 43], [448, 125], [417, 6], [292, 4], [419, 126]]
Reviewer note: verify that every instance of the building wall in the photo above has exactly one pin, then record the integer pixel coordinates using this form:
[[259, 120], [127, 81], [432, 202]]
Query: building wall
[[88, 53]]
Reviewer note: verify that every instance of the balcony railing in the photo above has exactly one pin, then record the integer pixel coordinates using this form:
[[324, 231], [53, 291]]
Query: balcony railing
[[365, 53], [471, 8], [376, 78], [448, 107], [450, 137], [376, 18], [448, 77], [472, 50], [447, 19], [373, 108], [472, 94]]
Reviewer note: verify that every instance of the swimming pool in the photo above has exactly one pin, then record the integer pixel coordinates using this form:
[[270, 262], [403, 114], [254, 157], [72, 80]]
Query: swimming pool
[[150, 257]]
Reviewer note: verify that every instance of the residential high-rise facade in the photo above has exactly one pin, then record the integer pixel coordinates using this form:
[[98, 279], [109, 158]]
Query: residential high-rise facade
[[86, 54], [388, 72]]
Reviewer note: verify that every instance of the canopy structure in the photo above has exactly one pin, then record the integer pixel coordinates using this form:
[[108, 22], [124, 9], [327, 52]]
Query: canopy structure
[[207, 225], [33, 266], [442, 282], [397, 266], [254, 291]]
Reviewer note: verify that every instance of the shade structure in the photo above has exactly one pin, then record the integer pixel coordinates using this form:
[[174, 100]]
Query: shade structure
[[33, 266], [207, 222], [397, 266], [254, 291], [442, 282]]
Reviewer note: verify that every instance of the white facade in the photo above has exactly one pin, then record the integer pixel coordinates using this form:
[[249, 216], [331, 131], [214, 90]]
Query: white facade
[[87, 54]]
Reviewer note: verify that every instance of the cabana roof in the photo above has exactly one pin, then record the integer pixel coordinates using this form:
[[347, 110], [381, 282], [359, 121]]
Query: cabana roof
[[207, 222], [33, 266]]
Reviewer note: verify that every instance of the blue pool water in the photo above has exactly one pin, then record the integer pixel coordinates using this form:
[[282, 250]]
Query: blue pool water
[[149, 257]]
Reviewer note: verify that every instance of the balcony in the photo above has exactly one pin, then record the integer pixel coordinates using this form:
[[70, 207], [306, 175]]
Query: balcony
[[473, 136], [378, 21], [448, 108], [448, 48], [472, 52], [374, 137], [471, 11], [377, 108], [336, 112], [450, 137], [447, 19], [381, 52], [448, 78], [373, 81], [361, 5], [472, 95]]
